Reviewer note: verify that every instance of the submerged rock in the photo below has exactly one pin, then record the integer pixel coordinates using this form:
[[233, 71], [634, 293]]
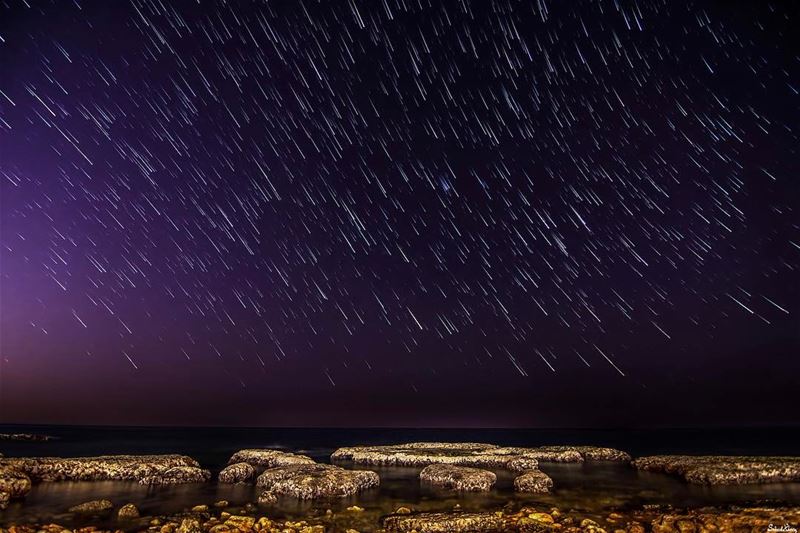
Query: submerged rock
[[177, 475], [461, 478], [14, 482], [533, 481], [266, 458], [311, 481], [128, 512], [92, 507], [107, 467], [445, 522], [723, 469], [237, 473], [4, 499], [473, 454]]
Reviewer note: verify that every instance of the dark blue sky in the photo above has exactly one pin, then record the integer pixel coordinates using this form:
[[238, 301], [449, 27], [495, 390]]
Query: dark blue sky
[[399, 213]]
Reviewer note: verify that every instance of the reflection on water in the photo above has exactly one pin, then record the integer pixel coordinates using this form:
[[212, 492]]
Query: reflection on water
[[590, 488]]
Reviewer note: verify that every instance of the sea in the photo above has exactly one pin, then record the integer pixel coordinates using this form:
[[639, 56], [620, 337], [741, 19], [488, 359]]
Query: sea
[[588, 487]]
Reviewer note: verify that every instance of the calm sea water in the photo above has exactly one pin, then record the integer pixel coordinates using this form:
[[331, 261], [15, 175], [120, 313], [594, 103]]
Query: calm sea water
[[591, 487]]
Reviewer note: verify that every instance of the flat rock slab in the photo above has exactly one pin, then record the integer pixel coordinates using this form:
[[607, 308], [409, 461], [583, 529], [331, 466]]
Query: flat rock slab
[[312, 481], [588, 453], [177, 475], [534, 481], [461, 478], [473, 454], [445, 522], [153, 468], [724, 469], [266, 458], [237, 473]]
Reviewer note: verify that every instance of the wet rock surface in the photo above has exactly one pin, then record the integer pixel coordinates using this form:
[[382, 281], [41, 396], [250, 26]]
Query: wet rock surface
[[724, 470], [128, 512], [525, 519], [534, 481], [13, 482], [588, 453], [266, 458], [312, 481], [473, 454], [237, 473], [108, 467], [92, 507], [460, 478], [444, 522], [177, 475]]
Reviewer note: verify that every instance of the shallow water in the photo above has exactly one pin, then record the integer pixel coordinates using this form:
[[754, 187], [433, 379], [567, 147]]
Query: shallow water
[[589, 487]]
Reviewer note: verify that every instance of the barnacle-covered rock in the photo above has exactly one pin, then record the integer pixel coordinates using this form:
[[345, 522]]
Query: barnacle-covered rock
[[533, 481], [724, 469], [462, 478], [106, 467], [312, 481], [237, 473], [266, 458]]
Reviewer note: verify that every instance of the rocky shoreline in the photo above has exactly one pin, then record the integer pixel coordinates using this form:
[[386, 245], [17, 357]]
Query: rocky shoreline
[[455, 467], [102, 516]]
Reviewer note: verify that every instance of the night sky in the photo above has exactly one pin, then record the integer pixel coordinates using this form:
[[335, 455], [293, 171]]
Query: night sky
[[400, 212]]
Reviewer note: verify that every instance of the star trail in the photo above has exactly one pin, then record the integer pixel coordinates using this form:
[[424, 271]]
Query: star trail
[[399, 212]]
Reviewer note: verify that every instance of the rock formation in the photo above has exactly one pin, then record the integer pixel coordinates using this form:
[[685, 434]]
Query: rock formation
[[237, 473], [177, 475], [724, 470], [153, 468], [473, 454], [13, 482], [461, 478], [445, 522], [312, 481], [128, 512], [266, 458], [533, 481], [92, 508]]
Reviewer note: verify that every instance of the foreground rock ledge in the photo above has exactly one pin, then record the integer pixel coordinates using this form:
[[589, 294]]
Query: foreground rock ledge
[[312, 481], [160, 469], [724, 470], [474, 454], [461, 478], [529, 520]]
